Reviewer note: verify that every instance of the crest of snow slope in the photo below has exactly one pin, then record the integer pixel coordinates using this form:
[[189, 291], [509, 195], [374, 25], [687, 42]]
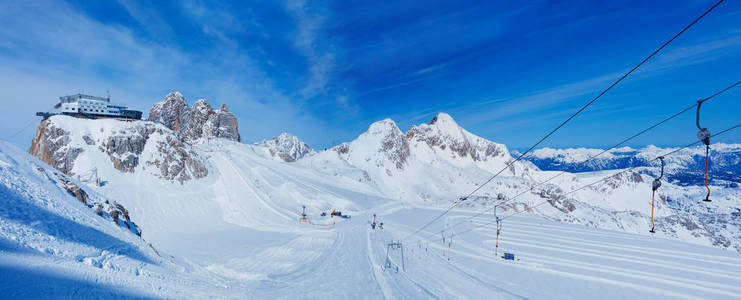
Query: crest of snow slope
[[54, 246], [286, 147]]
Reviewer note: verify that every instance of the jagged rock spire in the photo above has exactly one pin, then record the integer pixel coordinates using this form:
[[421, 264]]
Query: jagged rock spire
[[200, 121]]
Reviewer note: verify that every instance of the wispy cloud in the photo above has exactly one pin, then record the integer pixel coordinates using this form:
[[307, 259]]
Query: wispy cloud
[[148, 17], [49, 48], [321, 62], [697, 53]]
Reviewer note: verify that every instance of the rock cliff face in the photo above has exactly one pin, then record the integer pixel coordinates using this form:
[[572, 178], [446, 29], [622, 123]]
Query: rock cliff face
[[200, 121], [62, 141], [173, 112], [51, 145], [287, 147]]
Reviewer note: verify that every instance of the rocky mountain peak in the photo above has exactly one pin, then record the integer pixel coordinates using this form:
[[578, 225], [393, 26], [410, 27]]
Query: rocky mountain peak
[[202, 106], [443, 118], [200, 121], [383, 138], [222, 124], [223, 108], [287, 147], [444, 125], [172, 112]]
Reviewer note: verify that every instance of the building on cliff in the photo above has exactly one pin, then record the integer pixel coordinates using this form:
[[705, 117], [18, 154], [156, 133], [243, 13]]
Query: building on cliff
[[91, 107]]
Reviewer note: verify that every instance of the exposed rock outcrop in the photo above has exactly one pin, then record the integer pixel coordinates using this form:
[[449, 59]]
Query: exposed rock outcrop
[[173, 112], [222, 124], [200, 121], [123, 143], [51, 145], [103, 207]]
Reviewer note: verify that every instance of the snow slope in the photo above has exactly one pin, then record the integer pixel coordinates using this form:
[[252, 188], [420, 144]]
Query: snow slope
[[431, 164], [54, 246], [235, 233], [261, 251]]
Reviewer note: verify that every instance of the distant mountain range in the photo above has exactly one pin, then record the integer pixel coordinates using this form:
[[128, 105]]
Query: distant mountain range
[[686, 167]]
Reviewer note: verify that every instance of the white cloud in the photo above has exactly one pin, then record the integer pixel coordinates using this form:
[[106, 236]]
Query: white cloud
[[148, 17], [321, 59], [49, 49]]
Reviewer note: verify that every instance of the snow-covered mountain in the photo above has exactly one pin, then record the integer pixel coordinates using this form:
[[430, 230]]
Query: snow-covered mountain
[[287, 147], [439, 162], [237, 217], [686, 167], [54, 246]]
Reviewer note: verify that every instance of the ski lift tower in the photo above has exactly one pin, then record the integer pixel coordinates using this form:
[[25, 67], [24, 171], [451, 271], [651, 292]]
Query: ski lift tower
[[394, 246], [304, 218], [91, 177]]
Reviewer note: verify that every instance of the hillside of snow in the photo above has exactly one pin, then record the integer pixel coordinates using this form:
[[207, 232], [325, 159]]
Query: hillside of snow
[[229, 214], [51, 245], [54, 245], [431, 165]]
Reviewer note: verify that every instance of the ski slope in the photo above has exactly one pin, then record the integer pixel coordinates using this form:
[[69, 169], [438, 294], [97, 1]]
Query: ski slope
[[236, 234], [261, 245], [558, 260]]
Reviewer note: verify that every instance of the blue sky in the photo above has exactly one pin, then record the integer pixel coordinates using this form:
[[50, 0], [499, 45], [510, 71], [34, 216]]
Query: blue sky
[[508, 71]]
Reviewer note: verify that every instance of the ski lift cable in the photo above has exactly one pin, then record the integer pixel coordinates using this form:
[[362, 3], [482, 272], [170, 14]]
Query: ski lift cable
[[21, 130], [594, 99], [593, 183], [460, 200], [599, 154], [34, 120]]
